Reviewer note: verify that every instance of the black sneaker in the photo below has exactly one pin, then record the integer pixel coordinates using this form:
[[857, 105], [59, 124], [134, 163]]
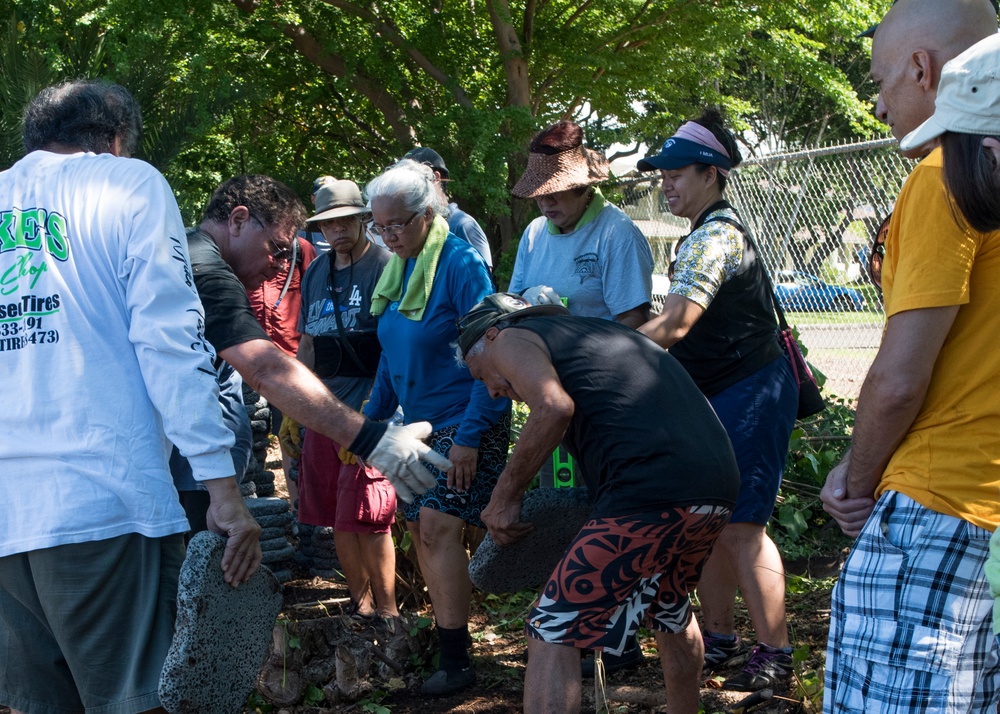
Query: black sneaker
[[721, 652], [630, 657], [767, 667], [443, 683]]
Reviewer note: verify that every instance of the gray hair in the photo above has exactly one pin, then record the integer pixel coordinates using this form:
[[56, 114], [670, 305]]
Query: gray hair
[[411, 182], [87, 113], [479, 345]]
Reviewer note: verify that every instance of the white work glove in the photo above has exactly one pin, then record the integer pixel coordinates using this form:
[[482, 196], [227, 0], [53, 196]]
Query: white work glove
[[541, 295], [398, 455]]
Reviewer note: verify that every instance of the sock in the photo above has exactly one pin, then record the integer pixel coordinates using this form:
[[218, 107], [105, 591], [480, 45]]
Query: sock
[[715, 636], [776, 650], [454, 648]]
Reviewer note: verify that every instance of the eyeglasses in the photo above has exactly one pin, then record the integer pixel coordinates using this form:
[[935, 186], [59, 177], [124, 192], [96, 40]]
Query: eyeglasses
[[877, 253], [395, 229], [278, 253]]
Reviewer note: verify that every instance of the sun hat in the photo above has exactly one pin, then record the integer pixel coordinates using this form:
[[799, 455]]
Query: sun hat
[[425, 155], [336, 199], [968, 96], [558, 161], [691, 144], [493, 308]]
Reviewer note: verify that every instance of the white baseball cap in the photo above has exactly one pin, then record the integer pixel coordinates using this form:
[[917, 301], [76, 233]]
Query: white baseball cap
[[968, 96]]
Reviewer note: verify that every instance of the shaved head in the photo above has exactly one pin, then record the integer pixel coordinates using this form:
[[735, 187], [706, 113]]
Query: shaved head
[[945, 28], [910, 46]]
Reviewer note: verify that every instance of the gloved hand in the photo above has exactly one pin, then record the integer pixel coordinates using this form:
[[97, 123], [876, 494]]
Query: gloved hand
[[541, 295], [398, 455], [347, 457], [289, 435]]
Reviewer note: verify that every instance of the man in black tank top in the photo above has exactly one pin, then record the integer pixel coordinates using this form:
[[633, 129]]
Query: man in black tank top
[[656, 460]]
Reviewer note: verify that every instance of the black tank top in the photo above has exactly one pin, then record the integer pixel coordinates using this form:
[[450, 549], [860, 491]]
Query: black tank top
[[738, 333], [645, 436]]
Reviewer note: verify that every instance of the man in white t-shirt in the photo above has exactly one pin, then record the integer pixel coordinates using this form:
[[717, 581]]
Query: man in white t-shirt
[[104, 364]]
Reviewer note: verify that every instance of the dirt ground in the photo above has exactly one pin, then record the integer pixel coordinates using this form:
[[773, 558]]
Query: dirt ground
[[498, 655]]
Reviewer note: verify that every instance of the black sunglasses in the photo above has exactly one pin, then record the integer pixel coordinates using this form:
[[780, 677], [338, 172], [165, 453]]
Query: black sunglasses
[[877, 253]]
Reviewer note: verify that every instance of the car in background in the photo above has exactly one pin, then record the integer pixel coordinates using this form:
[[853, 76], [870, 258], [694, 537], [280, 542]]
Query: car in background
[[804, 292], [661, 287]]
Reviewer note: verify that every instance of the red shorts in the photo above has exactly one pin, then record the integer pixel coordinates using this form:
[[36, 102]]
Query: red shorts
[[347, 497], [618, 569]]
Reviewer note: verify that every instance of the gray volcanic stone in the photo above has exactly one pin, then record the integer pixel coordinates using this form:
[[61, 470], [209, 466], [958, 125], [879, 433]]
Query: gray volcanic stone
[[557, 514], [279, 556], [269, 533], [267, 506], [265, 490], [222, 633], [279, 543]]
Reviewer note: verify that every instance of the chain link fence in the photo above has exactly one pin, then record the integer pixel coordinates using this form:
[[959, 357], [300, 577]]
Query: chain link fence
[[813, 215]]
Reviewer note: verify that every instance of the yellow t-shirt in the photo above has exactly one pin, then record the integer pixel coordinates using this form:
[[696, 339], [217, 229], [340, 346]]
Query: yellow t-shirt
[[949, 461]]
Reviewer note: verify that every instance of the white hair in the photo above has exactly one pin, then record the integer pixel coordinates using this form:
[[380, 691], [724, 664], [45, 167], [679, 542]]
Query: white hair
[[411, 182]]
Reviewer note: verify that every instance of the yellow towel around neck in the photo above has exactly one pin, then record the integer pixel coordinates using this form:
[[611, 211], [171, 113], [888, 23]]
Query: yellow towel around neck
[[418, 289]]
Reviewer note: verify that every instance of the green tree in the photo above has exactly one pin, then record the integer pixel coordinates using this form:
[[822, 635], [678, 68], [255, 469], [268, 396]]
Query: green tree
[[297, 88]]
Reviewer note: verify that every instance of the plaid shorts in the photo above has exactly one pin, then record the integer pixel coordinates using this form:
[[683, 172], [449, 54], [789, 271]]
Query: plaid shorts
[[617, 569], [911, 617]]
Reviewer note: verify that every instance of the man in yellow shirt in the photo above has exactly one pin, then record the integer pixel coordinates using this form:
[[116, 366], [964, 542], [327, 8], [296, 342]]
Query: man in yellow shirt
[[910, 619]]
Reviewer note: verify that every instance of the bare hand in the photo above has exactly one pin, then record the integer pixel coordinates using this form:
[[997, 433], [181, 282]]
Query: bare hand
[[464, 470], [851, 514], [228, 515], [503, 520]]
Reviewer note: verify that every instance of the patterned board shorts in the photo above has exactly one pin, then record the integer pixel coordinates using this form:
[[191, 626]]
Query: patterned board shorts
[[490, 463], [617, 569], [911, 617]]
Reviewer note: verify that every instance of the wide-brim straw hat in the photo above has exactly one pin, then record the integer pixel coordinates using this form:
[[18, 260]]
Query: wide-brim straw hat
[[550, 173], [336, 199]]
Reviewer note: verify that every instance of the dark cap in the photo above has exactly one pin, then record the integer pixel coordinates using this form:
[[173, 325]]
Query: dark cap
[[494, 308], [424, 155], [678, 153]]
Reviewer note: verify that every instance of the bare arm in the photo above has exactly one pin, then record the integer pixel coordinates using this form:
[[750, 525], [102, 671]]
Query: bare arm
[[673, 323], [635, 317], [890, 400], [306, 354], [296, 391], [522, 359]]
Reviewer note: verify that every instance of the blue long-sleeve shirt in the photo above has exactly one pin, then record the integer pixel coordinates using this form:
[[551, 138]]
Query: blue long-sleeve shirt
[[418, 370]]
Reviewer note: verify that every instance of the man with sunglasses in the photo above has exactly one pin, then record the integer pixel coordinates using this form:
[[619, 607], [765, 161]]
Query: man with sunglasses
[[245, 238], [911, 614]]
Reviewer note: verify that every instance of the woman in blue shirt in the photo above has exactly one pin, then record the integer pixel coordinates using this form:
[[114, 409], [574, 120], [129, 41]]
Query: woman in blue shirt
[[432, 279]]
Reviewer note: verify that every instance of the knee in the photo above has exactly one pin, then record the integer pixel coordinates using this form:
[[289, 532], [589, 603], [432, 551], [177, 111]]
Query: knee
[[438, 534]]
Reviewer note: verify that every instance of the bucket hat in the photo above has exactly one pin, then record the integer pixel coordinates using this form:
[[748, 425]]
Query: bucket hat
[[336, 199]]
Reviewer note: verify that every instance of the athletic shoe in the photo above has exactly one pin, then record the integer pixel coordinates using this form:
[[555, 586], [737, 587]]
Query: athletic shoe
[[721, 652], [630, 657], [767, 667], [443, 683]]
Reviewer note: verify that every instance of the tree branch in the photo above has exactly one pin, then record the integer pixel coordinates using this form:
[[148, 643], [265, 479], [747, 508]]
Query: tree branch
[[389, 32], [514, 64], [309, 47]]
